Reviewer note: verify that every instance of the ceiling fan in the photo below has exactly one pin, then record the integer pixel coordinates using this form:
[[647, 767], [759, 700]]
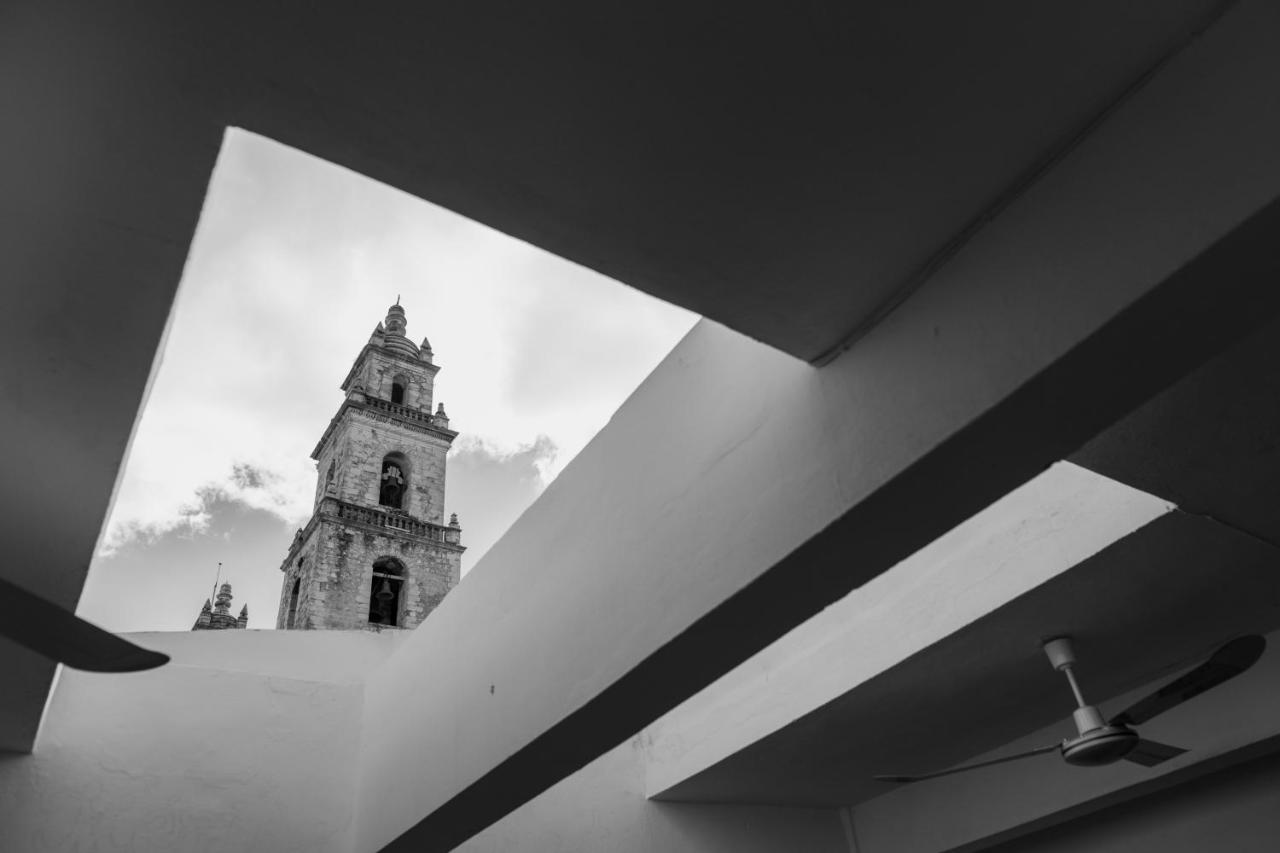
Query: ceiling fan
[[1101, 741], [60, 635]]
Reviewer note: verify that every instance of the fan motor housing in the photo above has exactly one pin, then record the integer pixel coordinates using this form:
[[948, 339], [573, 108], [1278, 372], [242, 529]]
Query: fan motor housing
[[1102, 745]]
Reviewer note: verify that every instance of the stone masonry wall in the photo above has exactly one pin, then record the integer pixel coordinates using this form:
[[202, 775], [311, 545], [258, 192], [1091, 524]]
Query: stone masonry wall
[[300, 563], [338, 572], [379, 372], [357, 448]]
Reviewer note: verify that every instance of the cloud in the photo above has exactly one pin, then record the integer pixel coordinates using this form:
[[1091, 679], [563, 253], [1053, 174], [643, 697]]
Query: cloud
[[158, 582], [294, 262], [158, 578], [246, 476], [490, 487]]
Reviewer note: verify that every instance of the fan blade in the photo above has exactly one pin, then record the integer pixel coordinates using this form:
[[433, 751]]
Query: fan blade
[[1149, 753], [60, 635], [1015, 757], [1226, 663]]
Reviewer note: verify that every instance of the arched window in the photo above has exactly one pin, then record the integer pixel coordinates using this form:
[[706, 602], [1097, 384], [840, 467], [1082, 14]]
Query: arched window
[[293, 601], [328, 478], [384, 591], [399, 386], [393, 480]]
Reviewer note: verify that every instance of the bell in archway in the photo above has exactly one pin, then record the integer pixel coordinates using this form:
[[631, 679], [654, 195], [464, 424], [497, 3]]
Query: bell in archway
[[385, 592]]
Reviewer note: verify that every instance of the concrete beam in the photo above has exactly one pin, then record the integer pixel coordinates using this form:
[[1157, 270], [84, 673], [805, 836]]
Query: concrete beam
[[101, 196], [739, 492], [638, 579], [974, 688], [1023, 541]]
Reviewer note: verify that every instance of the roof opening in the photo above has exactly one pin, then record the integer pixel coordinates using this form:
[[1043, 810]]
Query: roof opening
[[294, 261]]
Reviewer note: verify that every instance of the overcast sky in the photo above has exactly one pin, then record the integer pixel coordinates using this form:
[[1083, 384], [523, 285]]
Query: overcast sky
[[293, 264]]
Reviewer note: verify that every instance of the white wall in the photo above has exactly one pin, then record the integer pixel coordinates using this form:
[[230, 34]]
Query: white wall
[[603, 808], [246, 741]]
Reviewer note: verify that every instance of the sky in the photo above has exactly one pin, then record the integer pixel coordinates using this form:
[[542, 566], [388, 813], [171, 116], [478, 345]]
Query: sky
[[294, 262]]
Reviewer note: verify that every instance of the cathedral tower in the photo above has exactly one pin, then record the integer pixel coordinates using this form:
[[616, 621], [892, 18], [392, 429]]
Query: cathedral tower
[[377, 550]]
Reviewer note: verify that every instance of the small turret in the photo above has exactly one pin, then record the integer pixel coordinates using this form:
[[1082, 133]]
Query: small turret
[[243, 621], [206, 614]]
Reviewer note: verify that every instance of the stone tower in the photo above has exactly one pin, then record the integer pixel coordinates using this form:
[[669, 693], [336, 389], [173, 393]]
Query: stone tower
[[218, 617], [377, 550]]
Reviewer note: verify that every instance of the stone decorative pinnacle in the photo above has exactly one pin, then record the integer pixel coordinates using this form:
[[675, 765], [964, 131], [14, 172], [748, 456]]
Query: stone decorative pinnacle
[[205, 617], [453, 520], [440, 413]]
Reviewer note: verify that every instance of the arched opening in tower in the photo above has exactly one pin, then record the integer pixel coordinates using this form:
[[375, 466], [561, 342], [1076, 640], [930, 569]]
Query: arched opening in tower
[[384, 592], [398, 386], [293, 604], [393, 482]]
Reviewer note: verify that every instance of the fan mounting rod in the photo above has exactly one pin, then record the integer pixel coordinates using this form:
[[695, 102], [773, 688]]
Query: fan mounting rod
[[1062, 655]]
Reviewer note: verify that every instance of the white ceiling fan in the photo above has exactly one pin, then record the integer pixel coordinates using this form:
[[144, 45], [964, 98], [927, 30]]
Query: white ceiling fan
[[1101, 741], [60, 635]]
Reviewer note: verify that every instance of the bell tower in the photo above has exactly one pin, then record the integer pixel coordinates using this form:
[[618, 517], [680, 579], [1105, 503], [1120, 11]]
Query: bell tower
[[377, 550]]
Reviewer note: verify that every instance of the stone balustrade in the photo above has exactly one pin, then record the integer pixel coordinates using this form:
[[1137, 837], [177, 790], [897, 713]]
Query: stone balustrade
[[400, 411], [391, 520]]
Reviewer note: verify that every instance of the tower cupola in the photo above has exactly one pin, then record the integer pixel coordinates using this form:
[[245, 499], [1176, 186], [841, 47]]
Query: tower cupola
[[393, 333]]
